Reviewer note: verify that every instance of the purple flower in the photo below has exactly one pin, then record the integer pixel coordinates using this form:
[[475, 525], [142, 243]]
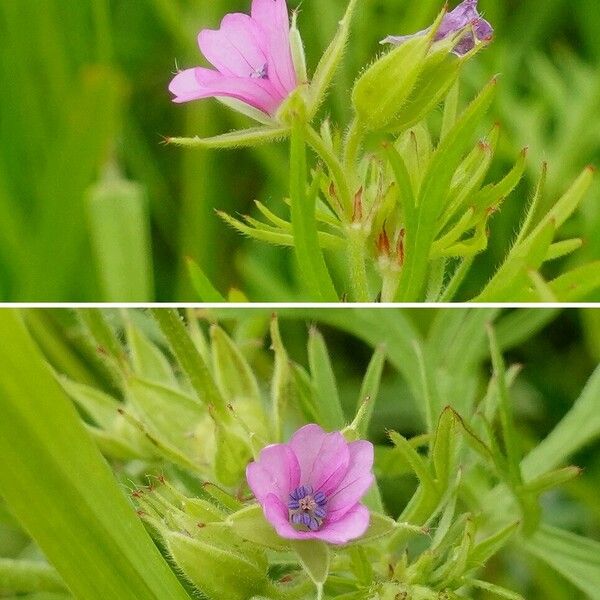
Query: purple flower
[[252, 58], [462, 16], [310, 488]]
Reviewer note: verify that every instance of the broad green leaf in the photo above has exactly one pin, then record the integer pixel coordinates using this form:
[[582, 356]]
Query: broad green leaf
[[120, 236], [76, 511]]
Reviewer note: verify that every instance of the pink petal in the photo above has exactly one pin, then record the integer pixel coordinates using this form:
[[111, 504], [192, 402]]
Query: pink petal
[[197, 83], [273, 18], [236, 48], [277, 514], [276, 472], [356, 482], [353, 525], [323, 457]]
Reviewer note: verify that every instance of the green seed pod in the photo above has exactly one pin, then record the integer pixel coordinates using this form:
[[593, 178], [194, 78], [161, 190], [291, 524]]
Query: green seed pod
[[219, 564]]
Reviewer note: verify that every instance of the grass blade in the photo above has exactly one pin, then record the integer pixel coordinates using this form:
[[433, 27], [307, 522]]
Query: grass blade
[[75, 511]]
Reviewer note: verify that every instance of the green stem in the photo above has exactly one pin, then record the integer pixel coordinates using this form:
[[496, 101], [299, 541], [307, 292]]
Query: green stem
[[304, 224], [335, 168], [391, 279], [357, 263]]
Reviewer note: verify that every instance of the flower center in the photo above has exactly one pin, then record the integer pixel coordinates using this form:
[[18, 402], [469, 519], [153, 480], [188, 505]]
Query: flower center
[[307, 509]]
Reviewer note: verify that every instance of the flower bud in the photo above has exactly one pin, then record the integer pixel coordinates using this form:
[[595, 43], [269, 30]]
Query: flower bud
[[383, 89]]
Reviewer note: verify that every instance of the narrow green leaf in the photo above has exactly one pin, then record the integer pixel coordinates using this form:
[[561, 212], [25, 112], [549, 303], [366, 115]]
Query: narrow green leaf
[[190, 360], [323, 378], [281, 383], [496, 590], [234, 139], [490, 546], [444, 446], [509, 432], [370, 388], [580, 426], [552, 479], [417, 463], [330, 60], [76, 511], [562, 248], [432, 193], [574, 557], [578, 284]]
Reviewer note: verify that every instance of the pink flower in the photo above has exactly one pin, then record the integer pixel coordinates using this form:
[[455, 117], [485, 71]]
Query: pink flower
[[310, 488], [252, 58], [465, 14]]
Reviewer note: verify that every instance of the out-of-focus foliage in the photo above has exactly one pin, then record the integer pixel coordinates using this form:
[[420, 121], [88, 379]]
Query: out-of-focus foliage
[[86, 105], [165, 398]]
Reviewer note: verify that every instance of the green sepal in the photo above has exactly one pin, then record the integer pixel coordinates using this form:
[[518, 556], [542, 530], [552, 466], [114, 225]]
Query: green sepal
[[148, 360], [330, 61], [250, 524], [314, 557], [235, 139]]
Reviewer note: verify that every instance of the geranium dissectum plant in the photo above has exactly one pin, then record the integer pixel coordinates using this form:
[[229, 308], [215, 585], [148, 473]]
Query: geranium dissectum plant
[[403, 201], [252, 60], [310, 488]]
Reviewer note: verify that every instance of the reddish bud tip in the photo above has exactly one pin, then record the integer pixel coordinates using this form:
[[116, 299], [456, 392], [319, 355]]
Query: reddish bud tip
[[358, 209]]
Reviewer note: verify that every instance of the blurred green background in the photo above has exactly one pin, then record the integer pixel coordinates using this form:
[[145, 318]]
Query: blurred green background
[[94, 207]]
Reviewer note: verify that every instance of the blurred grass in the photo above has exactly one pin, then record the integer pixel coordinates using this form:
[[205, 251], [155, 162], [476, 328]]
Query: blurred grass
[[87, 88]]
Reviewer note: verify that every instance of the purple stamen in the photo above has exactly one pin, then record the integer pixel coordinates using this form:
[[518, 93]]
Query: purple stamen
[[306, 508]]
